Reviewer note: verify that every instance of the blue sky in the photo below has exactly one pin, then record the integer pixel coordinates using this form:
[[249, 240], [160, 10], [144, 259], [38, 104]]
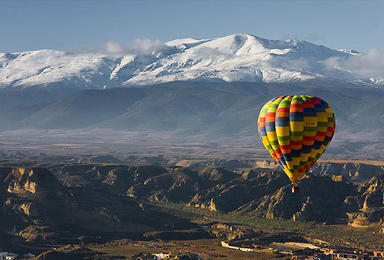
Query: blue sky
[[79, 24]]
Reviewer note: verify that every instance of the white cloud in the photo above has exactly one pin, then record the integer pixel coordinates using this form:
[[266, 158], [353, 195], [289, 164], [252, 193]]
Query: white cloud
[[113, 48], [367, 65], [137, 47], [147, 46]]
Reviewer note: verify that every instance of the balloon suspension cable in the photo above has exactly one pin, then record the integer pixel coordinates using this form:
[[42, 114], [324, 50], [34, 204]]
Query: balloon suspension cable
[[295, 188]]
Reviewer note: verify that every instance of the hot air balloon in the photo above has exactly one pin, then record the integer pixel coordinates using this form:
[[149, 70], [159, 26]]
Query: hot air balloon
[[296, 130]]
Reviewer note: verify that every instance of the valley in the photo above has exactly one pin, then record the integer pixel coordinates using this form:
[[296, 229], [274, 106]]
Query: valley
[[99, 210]]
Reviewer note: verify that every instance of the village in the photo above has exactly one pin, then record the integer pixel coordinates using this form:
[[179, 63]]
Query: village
[[14, 256], [287, 250], [307, 251]]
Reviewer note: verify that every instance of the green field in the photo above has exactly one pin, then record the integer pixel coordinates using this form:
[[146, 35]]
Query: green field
[[370, 238], [332, 235]]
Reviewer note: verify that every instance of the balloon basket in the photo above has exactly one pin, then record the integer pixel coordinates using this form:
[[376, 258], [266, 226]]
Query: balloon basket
[[295, 189]]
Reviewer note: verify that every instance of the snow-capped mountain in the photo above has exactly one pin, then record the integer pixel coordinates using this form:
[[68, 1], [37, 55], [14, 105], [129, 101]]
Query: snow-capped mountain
[[237, 57]]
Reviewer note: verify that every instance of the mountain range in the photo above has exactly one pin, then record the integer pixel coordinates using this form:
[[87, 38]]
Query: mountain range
[[206, 91], [237, 57]]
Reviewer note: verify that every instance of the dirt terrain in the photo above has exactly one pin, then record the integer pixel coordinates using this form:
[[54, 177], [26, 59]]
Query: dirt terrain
[[83, 209]]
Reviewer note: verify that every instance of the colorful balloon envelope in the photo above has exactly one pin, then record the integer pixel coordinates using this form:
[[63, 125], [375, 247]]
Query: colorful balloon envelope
[[296, 130]]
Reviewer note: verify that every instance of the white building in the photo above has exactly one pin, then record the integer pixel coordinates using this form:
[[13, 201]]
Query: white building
[[8, 256], [162, 255]]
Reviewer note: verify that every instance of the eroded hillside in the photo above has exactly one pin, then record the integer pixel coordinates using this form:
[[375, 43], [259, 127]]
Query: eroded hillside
[[61, 203]]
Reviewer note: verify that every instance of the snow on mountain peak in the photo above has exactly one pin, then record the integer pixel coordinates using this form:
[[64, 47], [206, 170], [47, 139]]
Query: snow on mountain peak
[[183, 41], [349, 51], [236, 57], [46, 66]]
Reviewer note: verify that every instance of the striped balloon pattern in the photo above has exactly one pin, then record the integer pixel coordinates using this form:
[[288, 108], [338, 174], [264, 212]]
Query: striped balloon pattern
[[296, 130]]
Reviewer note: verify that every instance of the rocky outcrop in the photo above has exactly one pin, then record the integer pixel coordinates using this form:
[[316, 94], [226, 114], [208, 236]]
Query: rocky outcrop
[[372, 193], [263, 192], [230, 232], [37, 206], [320, 199], [358, 219], [239, 190], [355, 172], [371, 201], [326, 193], [37, 183], [101, 199], [33, 196]]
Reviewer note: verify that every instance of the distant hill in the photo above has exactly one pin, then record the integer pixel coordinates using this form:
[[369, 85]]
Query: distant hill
[[197, 111]]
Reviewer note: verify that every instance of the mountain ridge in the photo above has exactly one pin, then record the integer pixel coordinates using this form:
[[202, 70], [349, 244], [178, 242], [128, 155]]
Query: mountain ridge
[[237, 57]]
